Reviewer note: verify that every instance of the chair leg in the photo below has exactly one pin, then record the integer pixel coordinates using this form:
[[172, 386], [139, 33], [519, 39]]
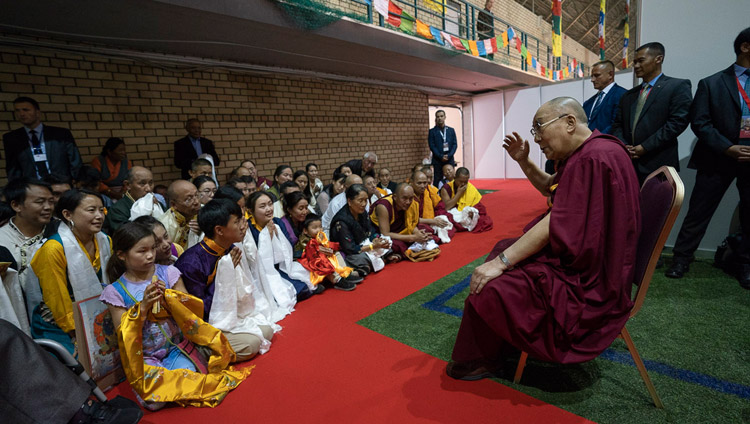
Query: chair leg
[[520, 367], [641, 368]]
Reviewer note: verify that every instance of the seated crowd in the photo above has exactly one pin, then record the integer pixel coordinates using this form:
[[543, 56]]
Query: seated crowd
[[200, 274]]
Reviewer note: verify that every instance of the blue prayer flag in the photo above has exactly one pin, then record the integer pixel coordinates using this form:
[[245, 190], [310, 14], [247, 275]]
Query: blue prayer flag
[[480, 48], [511, 34], [436, 33]]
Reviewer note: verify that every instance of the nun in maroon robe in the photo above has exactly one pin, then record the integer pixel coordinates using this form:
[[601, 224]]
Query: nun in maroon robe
[[569, 301]]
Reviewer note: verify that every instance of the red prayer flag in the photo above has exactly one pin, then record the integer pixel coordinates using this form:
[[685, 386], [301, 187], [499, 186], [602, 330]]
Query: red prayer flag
[[493, 40], [394, 14], [457, 43], [518, 44]]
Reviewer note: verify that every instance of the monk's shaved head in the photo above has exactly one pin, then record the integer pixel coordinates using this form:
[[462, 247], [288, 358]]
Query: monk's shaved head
[[561, 105], [460, 172], [352, 179], [404, 189]]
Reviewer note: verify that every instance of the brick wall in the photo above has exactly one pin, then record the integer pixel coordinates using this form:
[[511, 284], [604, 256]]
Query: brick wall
[[271, 119]]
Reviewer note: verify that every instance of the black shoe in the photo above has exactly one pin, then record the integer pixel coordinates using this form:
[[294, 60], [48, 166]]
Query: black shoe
[[319, 289], [677, 269], [93, 411], [342, 284], [660, 263], [353, 278], [744, 276]]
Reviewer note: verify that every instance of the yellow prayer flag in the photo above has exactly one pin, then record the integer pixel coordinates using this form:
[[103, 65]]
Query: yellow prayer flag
[[423, 30], [436, 5], [528, 59], [473, 48]]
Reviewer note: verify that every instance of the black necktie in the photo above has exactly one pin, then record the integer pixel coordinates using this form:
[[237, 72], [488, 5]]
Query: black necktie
[[41, 166], [597, 103]]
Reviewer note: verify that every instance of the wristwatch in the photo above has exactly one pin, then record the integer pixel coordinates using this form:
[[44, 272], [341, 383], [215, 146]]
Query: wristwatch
[[505, 260]]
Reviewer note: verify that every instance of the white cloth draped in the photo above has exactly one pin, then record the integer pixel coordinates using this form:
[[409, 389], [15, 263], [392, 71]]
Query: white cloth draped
[[81, 275], [239, 304], [23, 250], [463, 218], [12, 306], [442, 232], [278, 293], [145, 206]]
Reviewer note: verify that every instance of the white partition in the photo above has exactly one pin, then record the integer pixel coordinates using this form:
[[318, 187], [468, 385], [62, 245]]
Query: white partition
[[520, 106], [488, 132]]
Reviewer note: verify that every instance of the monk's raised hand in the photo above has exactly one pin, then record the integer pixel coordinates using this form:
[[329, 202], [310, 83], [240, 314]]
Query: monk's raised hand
[[483, 274], [516, 146], [193, 225], [236, 255]]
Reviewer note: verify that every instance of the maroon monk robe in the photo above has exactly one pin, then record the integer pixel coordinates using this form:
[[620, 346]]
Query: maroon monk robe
[[568, 302], [397, 225], [484, 223], [438, 209]]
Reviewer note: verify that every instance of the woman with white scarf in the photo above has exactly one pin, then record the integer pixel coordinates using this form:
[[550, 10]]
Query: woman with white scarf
[[71, 259]]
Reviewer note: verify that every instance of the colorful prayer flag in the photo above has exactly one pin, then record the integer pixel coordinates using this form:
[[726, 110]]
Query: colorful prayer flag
[[457, 43], [489, 45], [602, 10], [436, 35], [511, 34], [481, 48], [465, 43], [528, 58], [533, 62], [423, 30], [407, 23], [448, 39], [518, 44], [436, 5], [394, 14], [566, 73], [382, 7], [626, 35], [557, 28], [524, 52], [504, 40], [473, 48]]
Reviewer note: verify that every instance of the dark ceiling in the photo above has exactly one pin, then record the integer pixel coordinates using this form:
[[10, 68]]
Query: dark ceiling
[[580, 21]]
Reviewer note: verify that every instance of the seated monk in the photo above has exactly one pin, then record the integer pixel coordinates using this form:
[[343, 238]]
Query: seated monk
[[560, 292], [395, 217], [428, 204], [460, 194]]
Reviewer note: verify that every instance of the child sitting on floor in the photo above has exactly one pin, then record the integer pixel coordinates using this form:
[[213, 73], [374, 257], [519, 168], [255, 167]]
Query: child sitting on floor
[[159, 327], [319, 257]]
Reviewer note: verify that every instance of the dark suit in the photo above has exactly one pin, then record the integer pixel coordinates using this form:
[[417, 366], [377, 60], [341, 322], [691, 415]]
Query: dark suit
[[663, 118], [63, 157], [606, 111], [185, 154], [715, 119], [435, 141], [356, 166]]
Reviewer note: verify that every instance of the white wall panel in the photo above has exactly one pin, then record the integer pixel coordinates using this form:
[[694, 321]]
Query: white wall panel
[[488, 133], [520, 107]]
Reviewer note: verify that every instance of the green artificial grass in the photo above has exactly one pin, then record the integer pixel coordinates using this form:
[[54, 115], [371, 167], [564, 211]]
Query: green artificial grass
[[698, 323]]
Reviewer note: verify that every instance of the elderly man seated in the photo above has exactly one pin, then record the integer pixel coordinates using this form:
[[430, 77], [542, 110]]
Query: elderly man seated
[[364, 166], [397, 217], [560, 292], [464, 204], [180, 219], [138, 183]]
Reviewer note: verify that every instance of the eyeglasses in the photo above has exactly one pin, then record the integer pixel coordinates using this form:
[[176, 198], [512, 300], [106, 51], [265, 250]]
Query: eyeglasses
[[537, 130], [208, 191], [189, 200]]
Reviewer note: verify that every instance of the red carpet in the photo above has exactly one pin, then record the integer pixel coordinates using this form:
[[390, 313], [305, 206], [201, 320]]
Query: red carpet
[[324, 368]]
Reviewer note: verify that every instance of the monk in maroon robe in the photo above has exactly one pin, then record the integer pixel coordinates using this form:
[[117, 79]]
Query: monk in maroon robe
[[466, 195], [429, 204], [397, 217], [561, 292]]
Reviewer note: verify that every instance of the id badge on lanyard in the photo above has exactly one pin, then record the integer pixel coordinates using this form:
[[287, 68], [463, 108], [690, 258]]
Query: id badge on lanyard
[[744, 119], [445, 141]]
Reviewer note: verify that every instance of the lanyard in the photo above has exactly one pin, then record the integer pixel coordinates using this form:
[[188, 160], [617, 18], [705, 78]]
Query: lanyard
[[743, 93], [442, 133]]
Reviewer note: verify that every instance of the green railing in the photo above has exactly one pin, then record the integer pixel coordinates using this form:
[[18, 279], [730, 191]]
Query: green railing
[[460, 18]]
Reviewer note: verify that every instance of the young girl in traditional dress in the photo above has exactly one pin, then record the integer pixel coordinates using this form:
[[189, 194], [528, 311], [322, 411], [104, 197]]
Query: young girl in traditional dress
[[159, 328], [319, 257]]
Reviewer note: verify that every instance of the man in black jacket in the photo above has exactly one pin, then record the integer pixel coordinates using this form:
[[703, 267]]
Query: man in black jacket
[[721, 155], [189, 148], [652, 115], [37, 150]]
